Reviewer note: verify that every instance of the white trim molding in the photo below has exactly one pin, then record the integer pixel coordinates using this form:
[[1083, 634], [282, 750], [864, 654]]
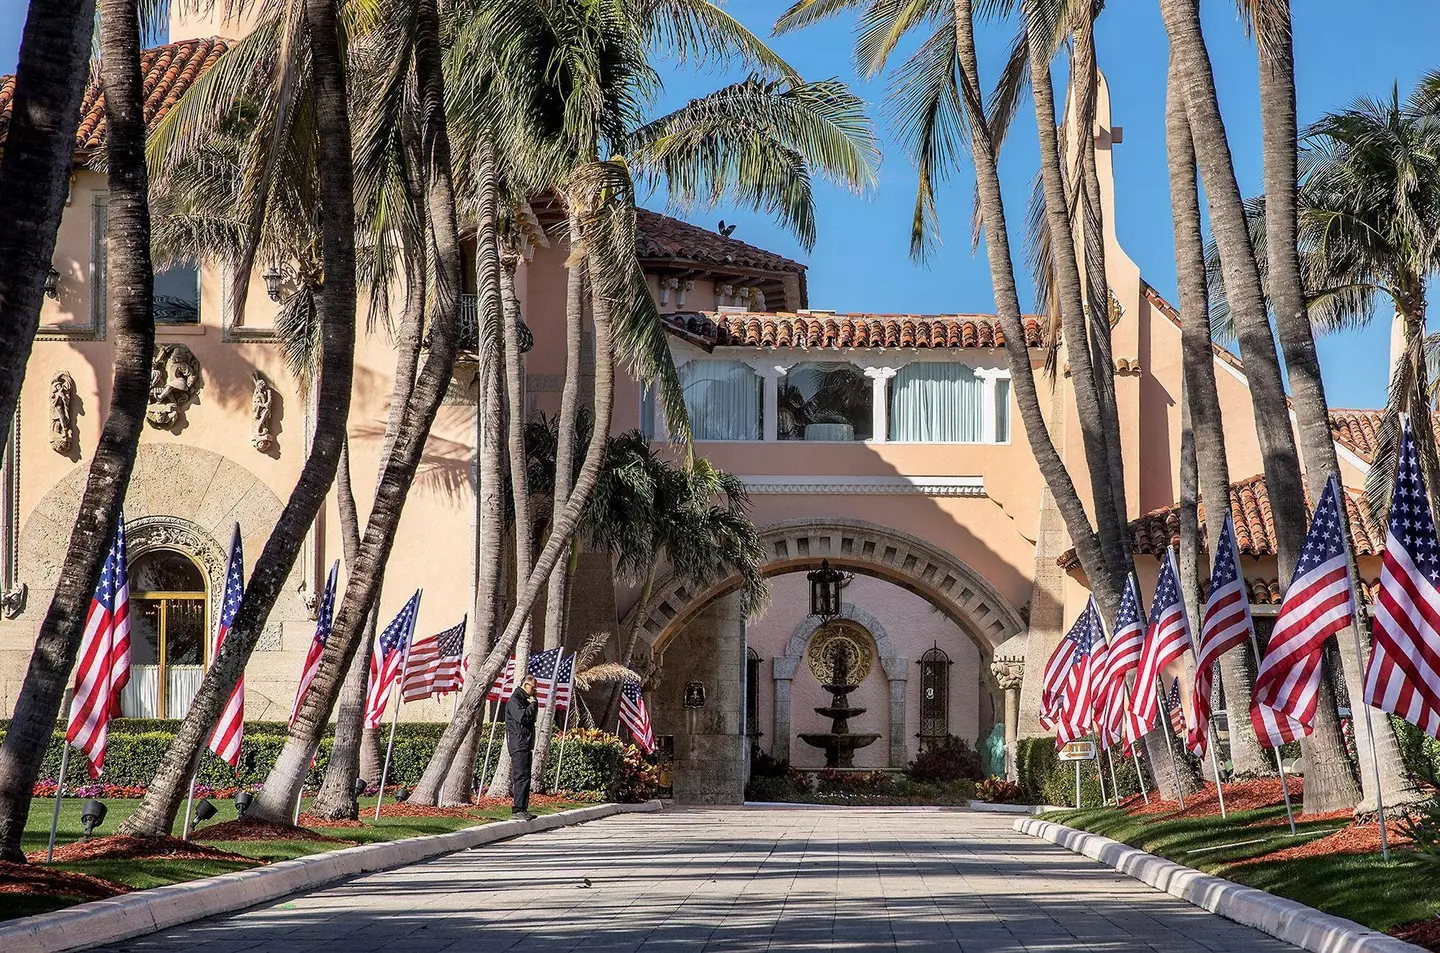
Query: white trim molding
[[908, 485]]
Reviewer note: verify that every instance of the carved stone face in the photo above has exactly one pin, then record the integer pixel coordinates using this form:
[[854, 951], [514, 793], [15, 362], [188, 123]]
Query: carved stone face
[[174, 379]]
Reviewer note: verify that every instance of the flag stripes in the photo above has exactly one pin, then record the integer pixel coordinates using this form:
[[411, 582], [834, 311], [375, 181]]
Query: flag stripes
[[103, 666], [229, 731]]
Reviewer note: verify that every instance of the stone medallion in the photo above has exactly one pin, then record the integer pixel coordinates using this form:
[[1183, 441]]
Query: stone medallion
[[843, 636]]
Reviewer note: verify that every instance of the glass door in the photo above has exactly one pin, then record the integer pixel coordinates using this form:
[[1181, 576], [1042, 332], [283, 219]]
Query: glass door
[[169, 623]]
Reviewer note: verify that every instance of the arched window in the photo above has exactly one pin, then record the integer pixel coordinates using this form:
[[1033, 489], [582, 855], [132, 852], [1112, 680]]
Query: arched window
[[169, 642], [752, 694], [934, 696]]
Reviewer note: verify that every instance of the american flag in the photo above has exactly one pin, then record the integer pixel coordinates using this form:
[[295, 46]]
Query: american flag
[[230, 729], [1122, 658], [436, 665], [103, 666], [388, 659], [323, 623], [1057, 672], [543, 666], [1404, 673], [1166, 639], [1225, 624], [634, 716], [1318, 604], [504, 683], [1076, 705], [565, 682]]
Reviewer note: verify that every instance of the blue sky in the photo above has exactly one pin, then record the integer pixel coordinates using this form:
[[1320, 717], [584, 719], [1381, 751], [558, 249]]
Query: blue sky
[[861, 261]]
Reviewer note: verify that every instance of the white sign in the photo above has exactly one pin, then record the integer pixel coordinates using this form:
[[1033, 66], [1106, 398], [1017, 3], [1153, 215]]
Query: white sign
[[1078, 751]]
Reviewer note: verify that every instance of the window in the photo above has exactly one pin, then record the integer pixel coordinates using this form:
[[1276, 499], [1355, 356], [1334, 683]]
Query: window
[[825, 401], [941, 402], [723, 400], [1002, 410], [752, 695], [934, 696], [177, 294], [168, 629]]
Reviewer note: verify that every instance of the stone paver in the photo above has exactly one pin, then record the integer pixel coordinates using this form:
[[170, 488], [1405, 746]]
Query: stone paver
[[736, 880]]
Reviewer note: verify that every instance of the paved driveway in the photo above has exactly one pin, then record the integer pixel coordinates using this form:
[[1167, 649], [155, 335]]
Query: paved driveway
[[736, 879]]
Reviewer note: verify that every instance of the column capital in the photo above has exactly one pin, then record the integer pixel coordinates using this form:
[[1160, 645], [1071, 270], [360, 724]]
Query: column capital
[[767, 369], [881, 372], [1009, 673]]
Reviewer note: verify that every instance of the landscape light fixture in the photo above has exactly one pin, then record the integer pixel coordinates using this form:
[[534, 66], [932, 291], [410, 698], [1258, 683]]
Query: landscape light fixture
[[52, 284], [527, 337], [242, 803], [203, 812], [360, 786], [402, 794], [272, 278], [825, 591], [92, 815]]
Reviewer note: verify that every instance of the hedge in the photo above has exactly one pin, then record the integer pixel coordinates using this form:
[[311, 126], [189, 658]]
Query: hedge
[[594, 761], [1045, 779]]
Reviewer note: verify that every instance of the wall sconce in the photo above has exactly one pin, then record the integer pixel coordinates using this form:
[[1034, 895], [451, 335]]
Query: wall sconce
[[272, 278], [52, 284]]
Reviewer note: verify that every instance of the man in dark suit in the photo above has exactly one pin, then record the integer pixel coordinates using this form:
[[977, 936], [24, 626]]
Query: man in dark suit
[[520, 713]]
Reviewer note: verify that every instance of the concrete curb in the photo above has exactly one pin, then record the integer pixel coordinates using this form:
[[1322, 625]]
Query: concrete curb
[[1286, 920], [145, 911]]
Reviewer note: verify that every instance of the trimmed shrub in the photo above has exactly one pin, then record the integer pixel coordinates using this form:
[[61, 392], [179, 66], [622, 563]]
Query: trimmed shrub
[[950, 760], [1034, 762]]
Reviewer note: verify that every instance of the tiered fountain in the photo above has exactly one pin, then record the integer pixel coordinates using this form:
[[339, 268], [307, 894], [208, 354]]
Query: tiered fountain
[[838, 743]]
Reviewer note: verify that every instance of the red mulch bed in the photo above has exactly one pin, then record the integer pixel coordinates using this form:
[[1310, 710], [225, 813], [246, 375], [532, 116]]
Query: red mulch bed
[[37, 879], [547, 799], [261, 830], [137, 848], [1355, 839], [313, 820], [1423, 933], [404, 809], [1240, 796], [1344, 814]]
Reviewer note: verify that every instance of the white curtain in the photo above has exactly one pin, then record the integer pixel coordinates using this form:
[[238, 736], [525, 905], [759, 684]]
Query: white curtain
[[140, 698], [934, 402], [182, 684], [723, 398], [1002, 410]]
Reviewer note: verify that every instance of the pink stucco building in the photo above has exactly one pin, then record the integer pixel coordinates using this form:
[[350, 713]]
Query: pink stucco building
[[885, 443]]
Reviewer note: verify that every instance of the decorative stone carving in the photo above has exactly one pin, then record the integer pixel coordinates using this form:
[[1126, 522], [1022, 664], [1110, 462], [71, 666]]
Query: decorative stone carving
[[1117, 310], [262, 405], [841, 639], [1009, 673], [62, 412], [174, 379], [309, 599], [173, 532], [13, 602]]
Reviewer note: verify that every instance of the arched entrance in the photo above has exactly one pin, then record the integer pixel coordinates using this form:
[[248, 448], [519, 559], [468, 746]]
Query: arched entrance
[[697, 637], [169, 635]]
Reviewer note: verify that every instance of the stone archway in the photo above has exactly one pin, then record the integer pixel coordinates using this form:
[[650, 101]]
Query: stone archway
[[708, 631], [908, 561]]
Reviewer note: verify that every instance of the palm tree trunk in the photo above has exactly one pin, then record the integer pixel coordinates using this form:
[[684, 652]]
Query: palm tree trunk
[[1198, 361], [433, 381], [1110, 526], [520, 484], [129, 292], [557, 592], [50, 78], [1332, 786], [156, 813], [564, 527], [1097, 280]]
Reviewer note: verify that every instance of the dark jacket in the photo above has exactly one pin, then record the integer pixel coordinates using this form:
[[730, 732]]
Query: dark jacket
[[520, 712]]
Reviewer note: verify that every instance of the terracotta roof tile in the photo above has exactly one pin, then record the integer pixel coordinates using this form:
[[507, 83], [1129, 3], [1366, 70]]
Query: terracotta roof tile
[[669, 239], [167, 71], [829, 330], [1266, 592], [1158, 530]]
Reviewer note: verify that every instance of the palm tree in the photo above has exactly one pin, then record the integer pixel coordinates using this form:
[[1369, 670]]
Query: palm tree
[[1198, 360], [129, 287], [336, 309], [34, 172]]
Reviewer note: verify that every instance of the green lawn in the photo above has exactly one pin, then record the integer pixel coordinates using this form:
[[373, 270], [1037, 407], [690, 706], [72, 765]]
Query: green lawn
[[1360, 887], [140, 874]]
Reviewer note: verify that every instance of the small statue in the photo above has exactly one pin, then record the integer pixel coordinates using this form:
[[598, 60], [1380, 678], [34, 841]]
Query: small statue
[[174, 378], [62, 412], [261, 404]]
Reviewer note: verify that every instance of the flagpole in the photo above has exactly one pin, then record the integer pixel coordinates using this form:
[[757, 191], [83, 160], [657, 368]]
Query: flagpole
[[59, 790], [1100, 772], [1165, 730], [1135, 749], [399, 700], [1279, 761], [1114, 782], [190, 798], [489, 740], [1215, 763], [564, 739]]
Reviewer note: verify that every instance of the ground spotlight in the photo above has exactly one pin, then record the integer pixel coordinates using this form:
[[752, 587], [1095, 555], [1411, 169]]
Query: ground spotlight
[[402, 794], [360, 786], [204, 811], [92, 815], [242, 803]]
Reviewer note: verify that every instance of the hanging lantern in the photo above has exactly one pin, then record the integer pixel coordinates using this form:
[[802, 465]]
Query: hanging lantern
[[527, 337], [52, 284], [825, 591], [273, 277]]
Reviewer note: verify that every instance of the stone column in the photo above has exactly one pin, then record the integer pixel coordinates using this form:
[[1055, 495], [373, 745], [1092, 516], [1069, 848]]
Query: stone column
[[710, 741], [897, 672], [784, 670], [880, 377], [769, 374], [1009, 673]]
